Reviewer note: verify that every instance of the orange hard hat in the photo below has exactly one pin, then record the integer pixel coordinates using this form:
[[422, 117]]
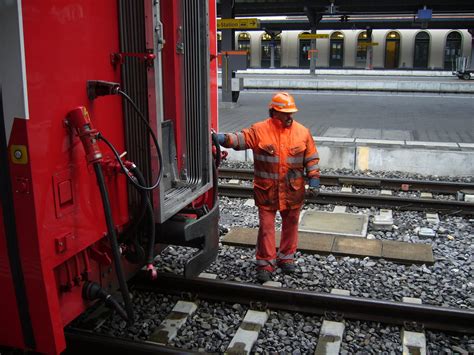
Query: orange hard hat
[[283, 102]]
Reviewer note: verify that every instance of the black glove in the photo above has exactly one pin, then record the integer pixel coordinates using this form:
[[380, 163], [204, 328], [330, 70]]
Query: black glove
[[221, 138], [313, 189]]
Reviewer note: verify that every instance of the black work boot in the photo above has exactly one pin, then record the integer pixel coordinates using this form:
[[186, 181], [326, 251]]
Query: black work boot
[[287, 268], [263, 275]]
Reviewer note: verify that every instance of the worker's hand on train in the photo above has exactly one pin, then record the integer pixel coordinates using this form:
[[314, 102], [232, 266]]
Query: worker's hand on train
[[313, 189], [221, 138]]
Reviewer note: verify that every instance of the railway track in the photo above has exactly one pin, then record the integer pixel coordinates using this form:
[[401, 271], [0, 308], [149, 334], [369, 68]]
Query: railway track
[[441, 187], [364, 200], [258, 301]]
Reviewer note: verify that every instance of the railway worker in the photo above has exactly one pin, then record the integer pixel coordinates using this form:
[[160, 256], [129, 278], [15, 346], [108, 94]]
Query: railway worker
[[283, 150]]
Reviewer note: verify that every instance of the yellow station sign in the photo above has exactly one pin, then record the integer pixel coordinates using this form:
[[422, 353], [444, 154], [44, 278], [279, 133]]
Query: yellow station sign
[[312, 36], [233, 23]]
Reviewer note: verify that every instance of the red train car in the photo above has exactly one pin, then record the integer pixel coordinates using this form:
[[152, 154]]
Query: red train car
[[106, 153]]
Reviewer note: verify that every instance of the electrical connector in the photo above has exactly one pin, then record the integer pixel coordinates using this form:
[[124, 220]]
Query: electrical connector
[[96, 88]]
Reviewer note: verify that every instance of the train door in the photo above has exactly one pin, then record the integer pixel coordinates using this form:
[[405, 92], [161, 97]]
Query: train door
[[266, 47], [361, 54], [336, 55], [422, 50], [392, 50], [303, 53], [243, 44], [452, 50]]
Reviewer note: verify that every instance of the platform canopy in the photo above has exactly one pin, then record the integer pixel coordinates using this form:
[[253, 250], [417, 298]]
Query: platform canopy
[[346, 14]]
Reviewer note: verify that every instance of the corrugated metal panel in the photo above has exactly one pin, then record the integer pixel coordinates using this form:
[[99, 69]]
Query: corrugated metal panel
[[134, 83]]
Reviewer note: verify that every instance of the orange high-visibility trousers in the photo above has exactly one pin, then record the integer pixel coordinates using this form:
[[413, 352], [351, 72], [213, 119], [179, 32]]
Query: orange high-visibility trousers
[[266, 254]]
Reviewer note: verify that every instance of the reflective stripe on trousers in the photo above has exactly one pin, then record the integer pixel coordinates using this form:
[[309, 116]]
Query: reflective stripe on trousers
[[266, 245]]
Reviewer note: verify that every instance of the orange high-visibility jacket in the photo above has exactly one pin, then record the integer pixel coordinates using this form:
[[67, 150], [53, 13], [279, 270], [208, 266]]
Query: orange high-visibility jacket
[[281, 154]]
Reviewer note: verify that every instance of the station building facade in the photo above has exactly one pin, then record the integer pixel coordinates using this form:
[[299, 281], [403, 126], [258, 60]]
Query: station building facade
[[391, 49]]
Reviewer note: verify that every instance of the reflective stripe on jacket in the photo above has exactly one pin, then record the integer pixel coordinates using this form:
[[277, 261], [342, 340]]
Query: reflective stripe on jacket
[[281, 156]]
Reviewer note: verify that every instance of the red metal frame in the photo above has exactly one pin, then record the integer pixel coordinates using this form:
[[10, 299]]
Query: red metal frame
[[54, 231], [58, 208]]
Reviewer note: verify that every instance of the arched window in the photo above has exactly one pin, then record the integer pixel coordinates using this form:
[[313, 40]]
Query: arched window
[[243, 42], [267, 43], [422, 50], [305, 46], [392, 50], [219, 42], [336, 51], [361, 54], [452, 50]]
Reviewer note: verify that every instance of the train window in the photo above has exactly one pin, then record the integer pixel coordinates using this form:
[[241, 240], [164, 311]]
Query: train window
[[336, 54], [392, 50], [361, 54], [422, 50], [267, 43], [452, 50], [219, 42]]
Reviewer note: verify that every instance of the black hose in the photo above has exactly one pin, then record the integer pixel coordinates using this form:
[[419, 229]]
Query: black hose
[[113, 241], [125, 170], [133, 228], [151, 218], [92, 291], [155, 141]]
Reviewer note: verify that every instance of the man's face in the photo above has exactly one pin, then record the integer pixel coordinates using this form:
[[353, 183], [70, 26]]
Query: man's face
[[286, 118]]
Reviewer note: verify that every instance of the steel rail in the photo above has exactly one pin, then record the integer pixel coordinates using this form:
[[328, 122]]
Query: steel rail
[[400, 203], [389, 312], [80, 342], [447, 187]]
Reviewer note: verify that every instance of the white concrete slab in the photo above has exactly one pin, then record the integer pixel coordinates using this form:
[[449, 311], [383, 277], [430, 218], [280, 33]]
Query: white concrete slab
[[168, 329], [234, 181], [346, 189], [338, 291], [272, 284], [247, 334], [426, 195], [469, 198], [384, 220], [340, 209], [206, 275], [330, 338], [466, 145], [420, 161], [386, 192], [413, 300], [333, 139], [414, 343], [386, 213], [341, 224], [250, 202], [432, 218], [426, 233]]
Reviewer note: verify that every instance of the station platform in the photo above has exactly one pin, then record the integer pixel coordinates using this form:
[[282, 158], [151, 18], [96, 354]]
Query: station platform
[[426, 158], [429, 131], [355, 80]]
